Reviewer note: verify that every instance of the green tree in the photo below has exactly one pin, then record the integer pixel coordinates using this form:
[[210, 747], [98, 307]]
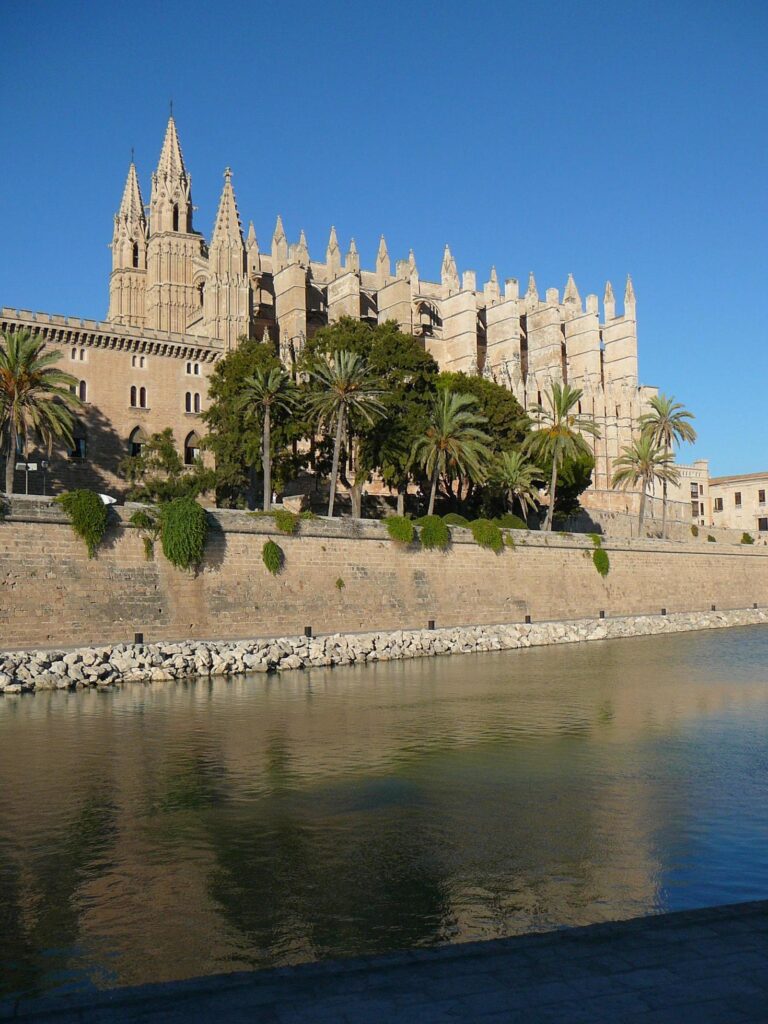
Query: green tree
[[159, 474], [235, 435], [643, 462], [559, 434], [267, 392], [573, 478], [518, 478], [342, 386], [667, 424], [36, 398], [453, 441], [506, 421]]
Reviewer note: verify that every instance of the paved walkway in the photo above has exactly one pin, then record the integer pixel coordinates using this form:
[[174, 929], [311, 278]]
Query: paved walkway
[[701, 966]]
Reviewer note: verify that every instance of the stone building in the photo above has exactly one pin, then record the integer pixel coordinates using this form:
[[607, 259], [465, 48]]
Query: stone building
[[741, 503], [177, 303]]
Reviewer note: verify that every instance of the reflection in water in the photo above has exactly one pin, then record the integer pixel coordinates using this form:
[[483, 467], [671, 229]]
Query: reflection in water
[[187, 828]]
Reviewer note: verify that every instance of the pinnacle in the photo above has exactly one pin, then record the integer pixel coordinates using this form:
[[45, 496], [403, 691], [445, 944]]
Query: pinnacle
[[132, 205], [629, 291], [171, 162], [227, 227], [571, 291], [608, 291], [279, 234], [382, 246], [333, 242], [252, 235]]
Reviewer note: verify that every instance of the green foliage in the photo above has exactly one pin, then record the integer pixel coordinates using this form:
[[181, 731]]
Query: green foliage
[[597, 540], [454, 519], [286, 521], [273, 557], [433, 533], [340, 584], [487, 534], [695, 531], [506, 421], [601, 560], [711, 539], [183, 529], [307, 514], [400, 529], [148, 525], [158, 473], [747, 538], [88, 515], [509, 541], [509, 521]]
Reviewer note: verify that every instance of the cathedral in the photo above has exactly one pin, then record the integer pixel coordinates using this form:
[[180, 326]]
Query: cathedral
[[178, 303]]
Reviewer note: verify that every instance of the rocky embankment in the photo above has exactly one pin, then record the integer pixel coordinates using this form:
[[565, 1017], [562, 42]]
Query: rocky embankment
[[114, 664]]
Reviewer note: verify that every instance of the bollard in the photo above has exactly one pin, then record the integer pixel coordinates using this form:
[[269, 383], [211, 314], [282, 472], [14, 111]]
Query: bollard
[[308, 631]]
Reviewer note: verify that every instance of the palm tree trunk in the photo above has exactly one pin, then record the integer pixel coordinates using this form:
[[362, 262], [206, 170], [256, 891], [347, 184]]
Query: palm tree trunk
[[524, 510], [400, 500], [335, 465], [552, 492], [642, 510], [433, 492], [10, 458], [664, 508], [266, 458]]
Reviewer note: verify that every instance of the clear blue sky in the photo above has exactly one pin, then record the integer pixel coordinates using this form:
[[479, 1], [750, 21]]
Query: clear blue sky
[[598, 138]]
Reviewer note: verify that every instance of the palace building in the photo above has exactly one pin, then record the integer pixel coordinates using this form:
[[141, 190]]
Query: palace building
[[178, 303]]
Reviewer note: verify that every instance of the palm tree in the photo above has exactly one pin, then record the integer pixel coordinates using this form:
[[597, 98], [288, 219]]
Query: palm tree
[[643, 462], [561, 435], [35, 397], [667, 425], [342, 385], [452, 441], [518, 478], [269, 390]]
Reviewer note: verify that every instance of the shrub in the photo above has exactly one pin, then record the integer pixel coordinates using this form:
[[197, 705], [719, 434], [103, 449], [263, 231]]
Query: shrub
[[695, 531], [183, 528], [340, 584], [88, 515], [487, 534], [434, 533], [454, 519], [148, 526], [285, 521], [509, 540], [597, 540], [601, 560], [509, 521], [400, 529], [273, 557], [747, 538], [307, 514], [711, 539]]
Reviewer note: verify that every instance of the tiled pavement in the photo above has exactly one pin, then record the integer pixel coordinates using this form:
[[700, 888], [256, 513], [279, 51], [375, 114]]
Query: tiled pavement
[[702, 967]]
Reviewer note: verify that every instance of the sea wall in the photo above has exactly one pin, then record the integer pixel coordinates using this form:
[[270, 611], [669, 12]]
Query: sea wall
[[339, 576], [109, 665]]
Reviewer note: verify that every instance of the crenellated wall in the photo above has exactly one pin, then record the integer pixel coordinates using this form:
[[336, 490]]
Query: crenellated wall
[[51, 593]]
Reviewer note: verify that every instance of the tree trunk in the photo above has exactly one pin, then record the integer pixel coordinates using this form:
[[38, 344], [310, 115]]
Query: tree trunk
[[642, 510], [400, 500], [356, 497], [433, 492], [664, 508], [335, 465], [266, 458], [10, 458], [552, 492], [524, 510]]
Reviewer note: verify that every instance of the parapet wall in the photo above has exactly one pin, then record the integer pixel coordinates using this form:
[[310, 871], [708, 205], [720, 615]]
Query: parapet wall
[[341, 575]]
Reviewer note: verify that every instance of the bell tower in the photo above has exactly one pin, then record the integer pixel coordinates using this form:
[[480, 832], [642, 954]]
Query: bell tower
[[127, 283], [172, 299]]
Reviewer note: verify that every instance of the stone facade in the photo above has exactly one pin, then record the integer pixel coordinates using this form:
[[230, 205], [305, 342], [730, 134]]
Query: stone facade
[[176, 299], [741, 503], [51, 593]]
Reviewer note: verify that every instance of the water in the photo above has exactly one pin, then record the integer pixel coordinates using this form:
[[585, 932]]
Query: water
[[180, 829]]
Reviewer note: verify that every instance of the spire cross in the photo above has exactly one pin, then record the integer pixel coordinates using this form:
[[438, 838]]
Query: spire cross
[[132, 154], [170, 104]]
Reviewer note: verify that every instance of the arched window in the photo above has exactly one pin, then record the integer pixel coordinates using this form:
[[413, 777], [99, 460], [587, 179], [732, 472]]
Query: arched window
[[82, 355], [189, 367], [191, 449], [136, 441], [82, 391], [201, 293], [74, 353], [197, 402], [188, 402], [197, 369], [142, 398], [79, 445], [133, 360], [175, 216], [135, 254], [133, 396], [141, 362]]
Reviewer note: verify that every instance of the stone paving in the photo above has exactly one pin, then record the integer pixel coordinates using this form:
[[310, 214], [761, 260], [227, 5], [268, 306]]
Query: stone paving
[[704, 967]]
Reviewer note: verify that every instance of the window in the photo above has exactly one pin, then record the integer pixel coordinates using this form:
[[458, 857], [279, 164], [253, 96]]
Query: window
[[718, 504], [761, 497], [197, 402], [136, 441], [82, 355], [133, 360], [133, 396], [737, 499], [82, 391], [701, 508], [762, 524], [191, 449], [135, 254], [193, 369], [188, 402], [175, 216], [142, 398], [141, 362], [694, 490], [78, 449], [74, 354]]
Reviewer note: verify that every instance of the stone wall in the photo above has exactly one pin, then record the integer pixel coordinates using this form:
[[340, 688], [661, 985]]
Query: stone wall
[[339, 576]]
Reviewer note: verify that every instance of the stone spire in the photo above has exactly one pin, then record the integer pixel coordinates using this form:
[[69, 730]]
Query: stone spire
[[491, 288], [449, 274], [227, 230], [609, 302], [630, 302], [333, 253], [171, 200], [301, 250], [279, 246], [252, 251], [532, 294], [127, 285], [251, 242], [383, 265], [571, 297], [352, 261], [132, 205]]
